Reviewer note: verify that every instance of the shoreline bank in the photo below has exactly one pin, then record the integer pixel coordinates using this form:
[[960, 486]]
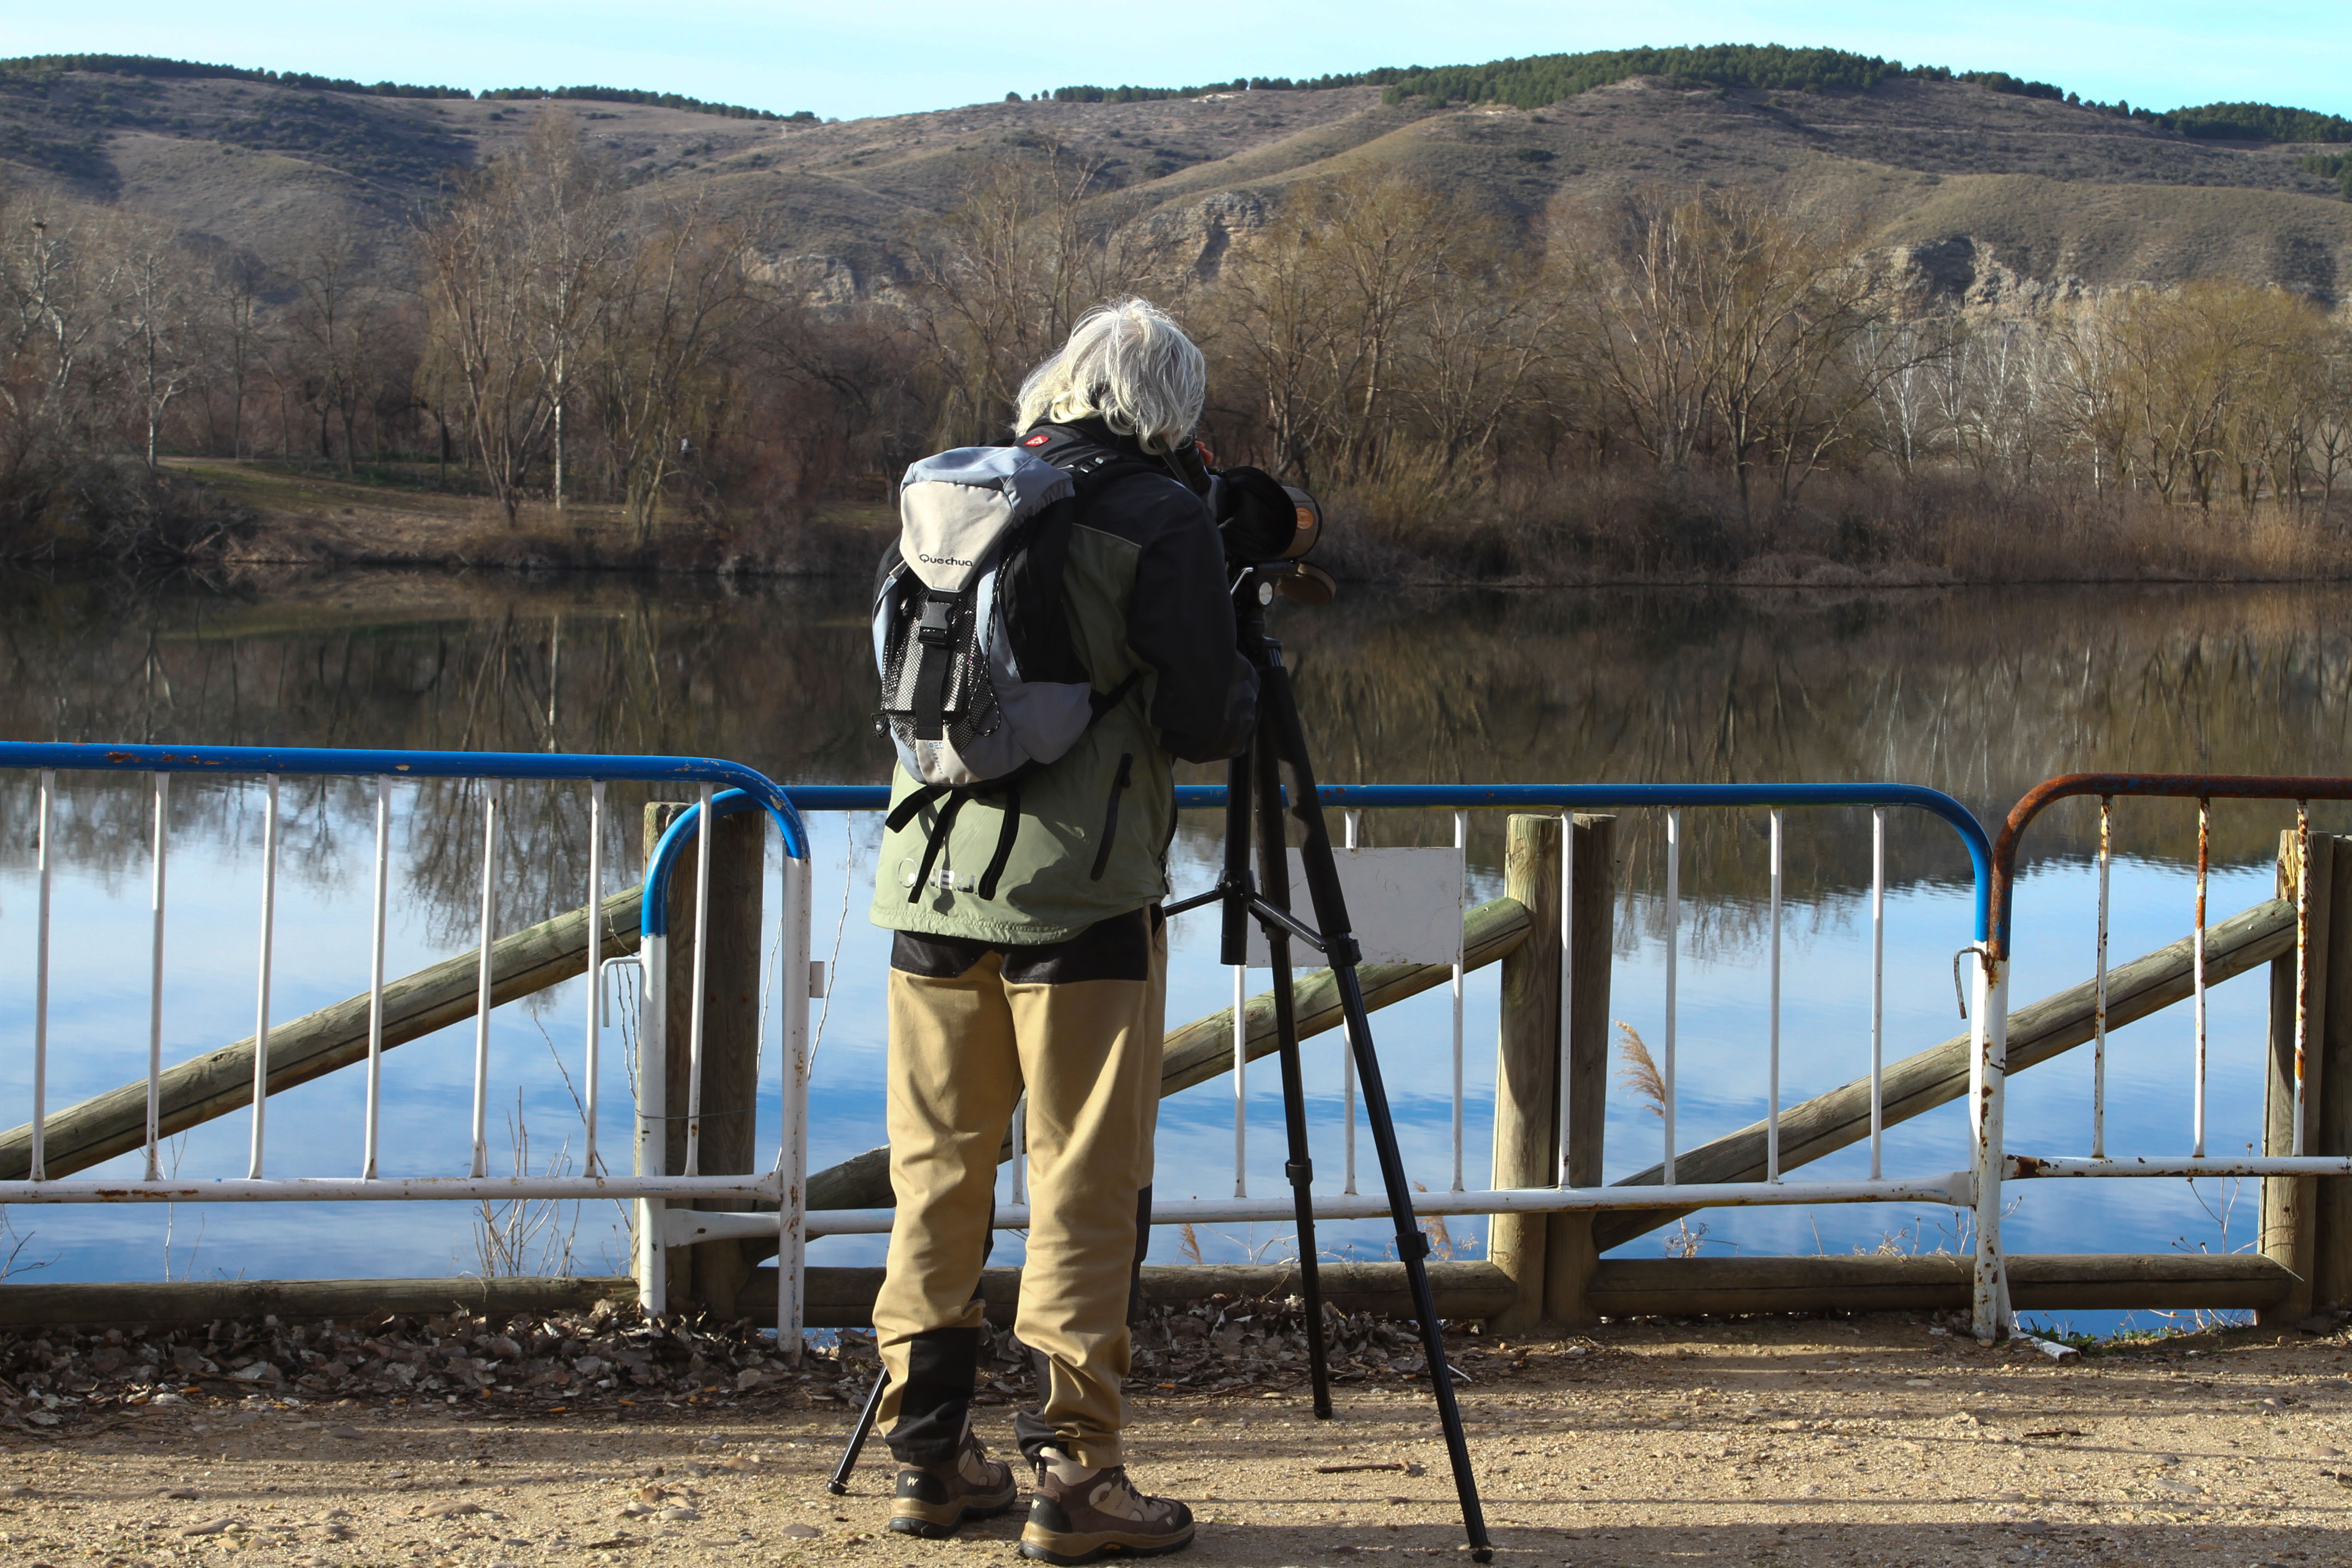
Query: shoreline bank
[[291, 522]]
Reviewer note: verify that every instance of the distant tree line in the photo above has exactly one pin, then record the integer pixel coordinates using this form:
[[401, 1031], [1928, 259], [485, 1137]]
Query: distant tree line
[[2257, 122], [41, 65], [195, 70], [655, 100], [1538, 81], [1671, 380], [1381, 78], [2337, 166]]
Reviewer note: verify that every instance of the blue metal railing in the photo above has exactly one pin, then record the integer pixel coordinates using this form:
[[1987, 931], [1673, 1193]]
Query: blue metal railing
[[322, 762], [1558, 797], [654, 916]]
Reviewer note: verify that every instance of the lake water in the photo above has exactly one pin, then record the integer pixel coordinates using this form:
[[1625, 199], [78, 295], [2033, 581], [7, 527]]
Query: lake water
[[1979, 692]]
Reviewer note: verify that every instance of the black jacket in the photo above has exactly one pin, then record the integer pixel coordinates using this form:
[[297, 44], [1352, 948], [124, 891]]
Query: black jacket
[[1179, 616]]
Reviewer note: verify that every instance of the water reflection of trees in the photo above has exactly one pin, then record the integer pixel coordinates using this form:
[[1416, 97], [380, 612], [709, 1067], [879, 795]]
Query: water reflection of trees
[[1980, 692], [773, 679]]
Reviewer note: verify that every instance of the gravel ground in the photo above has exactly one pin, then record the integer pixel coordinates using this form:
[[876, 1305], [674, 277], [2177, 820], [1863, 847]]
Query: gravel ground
[[1785, 1441]]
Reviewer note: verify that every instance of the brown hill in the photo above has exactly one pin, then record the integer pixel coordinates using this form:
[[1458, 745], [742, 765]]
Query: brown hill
[[1994, 196]]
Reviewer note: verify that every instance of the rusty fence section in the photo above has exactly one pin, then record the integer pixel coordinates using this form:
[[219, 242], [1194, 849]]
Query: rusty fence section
[[2290, 1117]]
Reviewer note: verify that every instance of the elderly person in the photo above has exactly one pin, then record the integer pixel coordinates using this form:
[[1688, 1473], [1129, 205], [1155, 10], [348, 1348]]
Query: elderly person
[[1056, 982]]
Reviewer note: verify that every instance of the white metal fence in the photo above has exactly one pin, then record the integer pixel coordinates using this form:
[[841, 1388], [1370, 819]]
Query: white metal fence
[[725, 787], [1959, 1187], [722, 786]]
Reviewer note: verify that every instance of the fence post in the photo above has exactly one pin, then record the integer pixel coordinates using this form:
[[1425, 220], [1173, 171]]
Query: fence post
[[2330, 1099], [711, 1275], [1570, 1253], [2290, 1233], [1526, 1065]]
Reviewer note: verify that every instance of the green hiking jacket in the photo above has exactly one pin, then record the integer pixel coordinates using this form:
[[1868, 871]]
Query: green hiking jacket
[[1144, 587]]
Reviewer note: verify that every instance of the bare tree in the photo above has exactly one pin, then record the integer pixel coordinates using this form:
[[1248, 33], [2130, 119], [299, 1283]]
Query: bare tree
[[1388, 248], [1911, 425], [481, 357], [1274, 323], [685, 301], [333, 328], [56, 259], [157, 314], [1007, 271], [564, 201], [521, 268], [2330, 445], [238, 330], [1644, 278]]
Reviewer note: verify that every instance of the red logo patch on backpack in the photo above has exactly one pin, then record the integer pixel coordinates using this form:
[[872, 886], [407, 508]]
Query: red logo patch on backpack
[[1039, 439]]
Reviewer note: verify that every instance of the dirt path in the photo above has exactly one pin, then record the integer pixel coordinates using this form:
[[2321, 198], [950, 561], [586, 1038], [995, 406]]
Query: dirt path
[[1872, 1440]]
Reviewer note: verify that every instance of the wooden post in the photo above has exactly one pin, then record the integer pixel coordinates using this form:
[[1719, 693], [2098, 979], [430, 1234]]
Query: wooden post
[[2290, 1233], [1571, 1255], [2330, 1128], [712, 1275], [1527, 1066]]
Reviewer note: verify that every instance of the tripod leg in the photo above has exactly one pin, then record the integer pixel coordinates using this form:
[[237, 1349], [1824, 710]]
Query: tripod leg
[[1273, 875], [864, 1429], [1233, 942], [1281, 708]]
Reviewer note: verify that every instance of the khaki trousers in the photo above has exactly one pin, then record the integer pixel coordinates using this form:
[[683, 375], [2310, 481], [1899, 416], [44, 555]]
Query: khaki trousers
[[961, 1048]]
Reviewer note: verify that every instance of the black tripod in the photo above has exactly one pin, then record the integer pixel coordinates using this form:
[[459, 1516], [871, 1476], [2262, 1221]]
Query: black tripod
[[1255, 788], [1255, 809]]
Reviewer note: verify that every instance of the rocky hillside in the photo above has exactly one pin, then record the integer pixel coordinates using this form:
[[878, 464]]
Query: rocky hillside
[[1986, 197]]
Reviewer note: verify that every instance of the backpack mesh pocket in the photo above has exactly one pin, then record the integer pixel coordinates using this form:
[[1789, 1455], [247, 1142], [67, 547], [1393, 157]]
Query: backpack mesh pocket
[[969, 708]]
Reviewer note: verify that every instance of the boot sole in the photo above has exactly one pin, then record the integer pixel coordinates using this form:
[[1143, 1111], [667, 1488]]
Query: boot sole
[[938, 1521], [1067, 1550]]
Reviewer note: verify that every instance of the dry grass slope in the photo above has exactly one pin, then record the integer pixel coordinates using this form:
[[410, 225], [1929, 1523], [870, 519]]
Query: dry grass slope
[[2052, 191]]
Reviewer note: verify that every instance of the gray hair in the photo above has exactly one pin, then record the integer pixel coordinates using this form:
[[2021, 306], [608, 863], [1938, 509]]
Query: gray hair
[[1127, 364]]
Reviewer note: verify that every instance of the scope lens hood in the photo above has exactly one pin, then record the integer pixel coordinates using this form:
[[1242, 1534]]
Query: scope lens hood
[[1265, 520]]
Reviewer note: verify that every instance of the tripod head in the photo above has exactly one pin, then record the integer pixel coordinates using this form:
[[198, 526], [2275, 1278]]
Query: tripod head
[[1268, 528]]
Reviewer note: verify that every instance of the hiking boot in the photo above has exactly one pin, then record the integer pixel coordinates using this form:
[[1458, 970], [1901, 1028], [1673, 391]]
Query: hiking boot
[[932, 1500], [1083, 1516]]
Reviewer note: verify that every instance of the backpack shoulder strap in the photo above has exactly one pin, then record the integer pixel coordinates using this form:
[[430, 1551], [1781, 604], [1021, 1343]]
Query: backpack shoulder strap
[[1089, 462]]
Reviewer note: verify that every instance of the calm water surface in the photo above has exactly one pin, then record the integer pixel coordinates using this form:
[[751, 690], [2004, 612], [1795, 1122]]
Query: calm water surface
[[1979, 693]]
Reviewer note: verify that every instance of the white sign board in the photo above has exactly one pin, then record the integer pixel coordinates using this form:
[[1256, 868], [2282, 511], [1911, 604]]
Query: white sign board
[[1405, 904]]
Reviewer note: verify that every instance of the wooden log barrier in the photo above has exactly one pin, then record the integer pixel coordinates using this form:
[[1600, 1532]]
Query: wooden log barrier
[[1659, 1287], [2106, 1281], [1549, 1256], [844, 1297], [218, 1082], [36, 1304]]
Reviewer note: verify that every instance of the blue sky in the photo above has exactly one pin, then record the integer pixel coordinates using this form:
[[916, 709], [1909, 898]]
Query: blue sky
[[894, 55]]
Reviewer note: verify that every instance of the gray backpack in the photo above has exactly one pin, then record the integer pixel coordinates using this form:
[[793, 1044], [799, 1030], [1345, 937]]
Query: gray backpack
[[980, 685]]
